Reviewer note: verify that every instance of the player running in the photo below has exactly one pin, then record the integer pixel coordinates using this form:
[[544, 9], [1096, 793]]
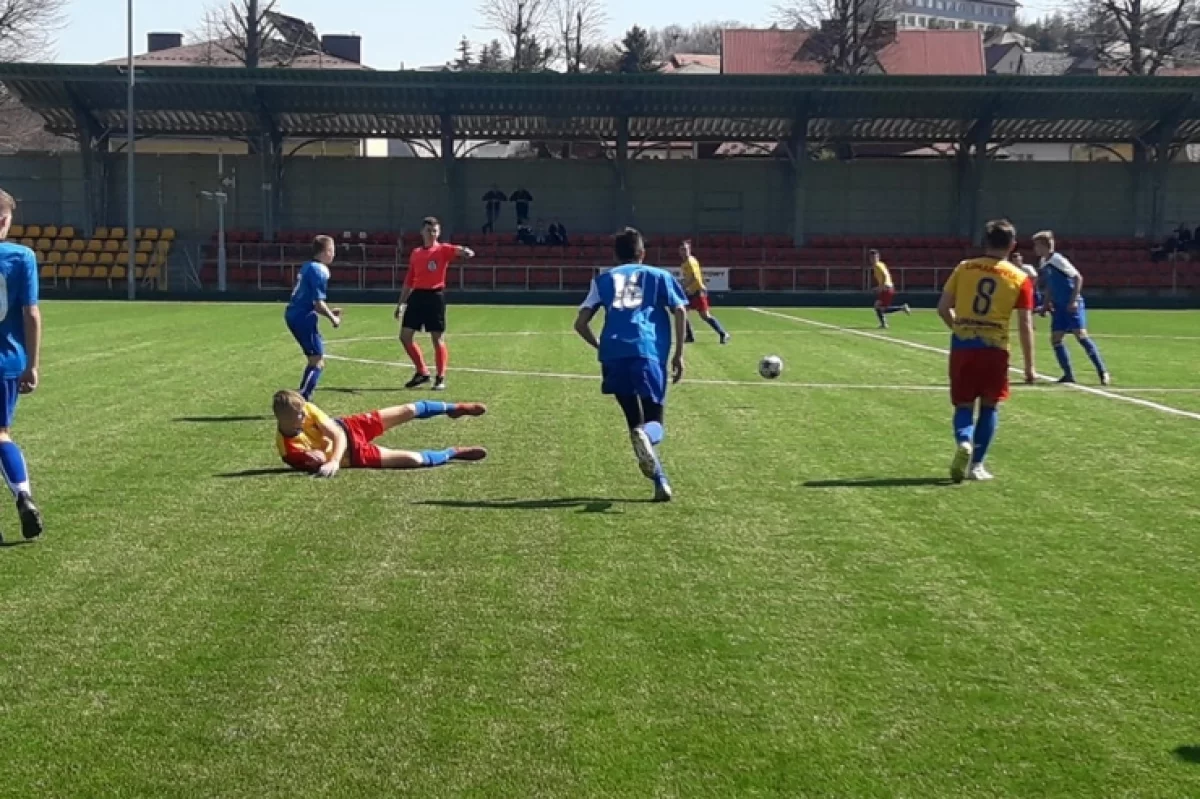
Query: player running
[[885, 290], [641, 305], [697, 293], [422, 303], [1064, 300], [20, 357], [307, 306], [310, 441], [977, 305]]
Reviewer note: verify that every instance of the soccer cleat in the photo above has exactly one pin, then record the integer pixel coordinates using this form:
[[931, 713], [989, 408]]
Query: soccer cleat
[[1066, 379], [32, 525], [469, 453], [979, 474], [689, 340], [439, 384], [907, 310], [646, 456], [662, 490], [417, 381], [467, 409], [962, 459], [1106, 379], [725, 337]]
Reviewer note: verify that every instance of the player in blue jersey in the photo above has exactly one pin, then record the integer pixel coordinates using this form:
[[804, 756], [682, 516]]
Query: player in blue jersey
[[20, 355], [1064, 300], [306, 306], [643, 307]]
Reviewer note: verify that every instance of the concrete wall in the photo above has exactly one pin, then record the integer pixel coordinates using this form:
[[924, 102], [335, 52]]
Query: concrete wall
[[752, 197]]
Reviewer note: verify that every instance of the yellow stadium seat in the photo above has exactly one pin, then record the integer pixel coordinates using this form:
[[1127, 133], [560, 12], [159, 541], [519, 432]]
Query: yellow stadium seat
[[45, 245], [16, 232], [55, 258], [65, 272], [137, 233], [143, 259], [107, 259], [123, 258], [168, 234], [88, 259], [150, 234], [100, 273], [33, 231], [62, 245], [83, 272], [67, 232], [41, 257], [145, 246], [112, 245], [50, 232], [116, 273], [46, 271], [78, 245], [95, 245], [100, 233], [30, 243], [71, 258], [163, 247], [117, 233]]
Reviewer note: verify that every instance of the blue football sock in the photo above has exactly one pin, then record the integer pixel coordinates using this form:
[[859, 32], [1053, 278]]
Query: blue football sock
[[964, 424], [308, 383], [985, 431], [427, 409], [655, 432], [436, 457], [12, 462], [1089, 347], [1064, 360], [715, 325]]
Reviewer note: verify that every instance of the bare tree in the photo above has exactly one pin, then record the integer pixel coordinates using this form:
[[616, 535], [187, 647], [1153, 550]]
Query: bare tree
[[1141, 37], [578, 25], [27, 29], [256, 34], [521, 23], [846, 35], [702, 38]]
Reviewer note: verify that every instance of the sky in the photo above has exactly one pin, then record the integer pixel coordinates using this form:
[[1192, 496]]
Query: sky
[[393, 36]]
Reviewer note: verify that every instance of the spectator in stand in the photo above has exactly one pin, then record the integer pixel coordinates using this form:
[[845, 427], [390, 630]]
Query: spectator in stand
[[525, 235], [558, 234], [522, 199], [491, 203], [1183, 238], [539, 233]]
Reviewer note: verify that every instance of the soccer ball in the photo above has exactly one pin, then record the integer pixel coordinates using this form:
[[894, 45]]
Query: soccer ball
[[770, 367]]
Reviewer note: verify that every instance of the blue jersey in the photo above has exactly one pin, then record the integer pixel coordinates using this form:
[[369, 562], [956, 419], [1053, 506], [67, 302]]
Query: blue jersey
[[18, 291], [1060, 279], [637, 301], [310, 289]]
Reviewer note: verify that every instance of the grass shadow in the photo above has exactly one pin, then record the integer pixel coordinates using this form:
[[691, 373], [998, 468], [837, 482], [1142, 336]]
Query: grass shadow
[[20, 542], [1188, 754], [222, 419], [881, 482], [257, 473], [585, 504], [339, 390]]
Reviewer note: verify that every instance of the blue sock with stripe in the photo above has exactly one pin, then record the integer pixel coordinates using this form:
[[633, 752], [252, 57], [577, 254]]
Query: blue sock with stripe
[[985, 431], [308, 383], [655, 431], [427, 409], [436, 457], [12, 462], [1089, 347], [964, 424], [1064, 360]]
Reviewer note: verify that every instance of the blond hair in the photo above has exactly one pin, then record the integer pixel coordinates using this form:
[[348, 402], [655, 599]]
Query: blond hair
[[7, 204], [1045, 237], [320, 244], [287, 401]]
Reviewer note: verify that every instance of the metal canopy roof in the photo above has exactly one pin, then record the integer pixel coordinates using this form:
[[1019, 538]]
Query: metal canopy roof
[[201, 101]]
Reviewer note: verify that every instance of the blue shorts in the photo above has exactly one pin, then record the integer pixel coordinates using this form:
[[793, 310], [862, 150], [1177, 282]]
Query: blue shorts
[[307, 334], [10, 390], [1064, 321], [638, 377]]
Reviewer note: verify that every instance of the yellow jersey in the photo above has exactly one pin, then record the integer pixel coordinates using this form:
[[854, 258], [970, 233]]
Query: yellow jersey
[[986, 291], [693, 277], [311, 437], [883, 278]]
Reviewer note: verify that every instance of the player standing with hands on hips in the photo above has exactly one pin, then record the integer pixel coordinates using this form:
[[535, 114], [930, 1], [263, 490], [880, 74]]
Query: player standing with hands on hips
[[422, 304]]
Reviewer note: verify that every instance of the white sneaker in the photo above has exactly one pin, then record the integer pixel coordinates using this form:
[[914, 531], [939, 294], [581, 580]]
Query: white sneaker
[[644, 450], [962, 459], [979, 473]]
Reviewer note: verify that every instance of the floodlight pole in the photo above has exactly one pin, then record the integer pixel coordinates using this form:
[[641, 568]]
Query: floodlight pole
[[130, 230]]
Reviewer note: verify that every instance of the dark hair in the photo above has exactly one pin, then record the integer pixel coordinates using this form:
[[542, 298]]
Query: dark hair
[[628, 245], [999, 234], [430, 220], [320, 243], [873, 253]]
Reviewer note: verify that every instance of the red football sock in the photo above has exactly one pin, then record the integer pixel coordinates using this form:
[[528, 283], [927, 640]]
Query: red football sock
[[414, 352], [441, 354]]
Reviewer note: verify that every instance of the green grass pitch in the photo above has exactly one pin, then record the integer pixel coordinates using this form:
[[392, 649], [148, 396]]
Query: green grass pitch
[[815, 615]]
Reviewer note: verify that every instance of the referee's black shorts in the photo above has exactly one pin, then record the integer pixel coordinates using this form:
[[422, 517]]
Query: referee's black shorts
[[426, 310]]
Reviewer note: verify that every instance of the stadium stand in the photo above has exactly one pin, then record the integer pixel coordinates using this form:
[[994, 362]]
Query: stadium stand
[[65, 258]]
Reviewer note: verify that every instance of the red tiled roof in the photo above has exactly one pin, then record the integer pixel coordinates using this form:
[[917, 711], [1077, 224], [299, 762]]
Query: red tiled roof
[[772, 52], [211, 54]]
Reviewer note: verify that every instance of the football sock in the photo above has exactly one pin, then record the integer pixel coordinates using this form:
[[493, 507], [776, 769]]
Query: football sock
[[427, 409], [441, 356], [879, 313], [715, 325], [688, 332], [1064, 360], [655, 432], [1089, 347], [12, 462], [964, 425], [308, 383], [436, 457], [985, 431], [893, 309], [414, 353]]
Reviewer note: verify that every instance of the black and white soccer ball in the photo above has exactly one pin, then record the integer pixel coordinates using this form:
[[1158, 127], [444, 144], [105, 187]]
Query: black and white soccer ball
[[770, 367]]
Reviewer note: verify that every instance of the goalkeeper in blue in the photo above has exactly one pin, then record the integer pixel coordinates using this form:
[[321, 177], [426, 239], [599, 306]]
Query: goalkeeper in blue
[[645, 311], [1064, 301]]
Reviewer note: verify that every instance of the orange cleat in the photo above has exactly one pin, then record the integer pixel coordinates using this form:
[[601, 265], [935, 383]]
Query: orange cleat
[[467, 409], [470, 453]]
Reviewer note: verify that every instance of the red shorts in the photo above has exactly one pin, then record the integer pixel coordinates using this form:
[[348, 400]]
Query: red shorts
[[698, 302], [885, 297], [361, 430], [978, 374]]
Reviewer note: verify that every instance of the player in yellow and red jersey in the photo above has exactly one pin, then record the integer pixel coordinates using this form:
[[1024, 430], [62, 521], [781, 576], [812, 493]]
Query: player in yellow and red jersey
[[885, 290], [692, 277], [977, 304], [311, 441]]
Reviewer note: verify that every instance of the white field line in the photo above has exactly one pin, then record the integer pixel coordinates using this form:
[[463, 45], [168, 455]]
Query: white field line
[[1099, 392]]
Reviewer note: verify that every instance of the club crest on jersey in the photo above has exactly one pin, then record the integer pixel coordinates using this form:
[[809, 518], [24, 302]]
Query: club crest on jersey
[[432, 267]]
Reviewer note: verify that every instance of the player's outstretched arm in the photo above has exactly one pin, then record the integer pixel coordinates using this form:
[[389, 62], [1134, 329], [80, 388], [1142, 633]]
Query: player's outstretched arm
[[1025, 328], [464, 252], [334, 432]]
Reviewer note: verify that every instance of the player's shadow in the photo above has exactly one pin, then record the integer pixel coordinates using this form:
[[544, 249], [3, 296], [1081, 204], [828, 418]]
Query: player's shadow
[[1188, 754], [19, 542], [881, 482], [585, 504], [257, 473], [221, 419], [338, 390]]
